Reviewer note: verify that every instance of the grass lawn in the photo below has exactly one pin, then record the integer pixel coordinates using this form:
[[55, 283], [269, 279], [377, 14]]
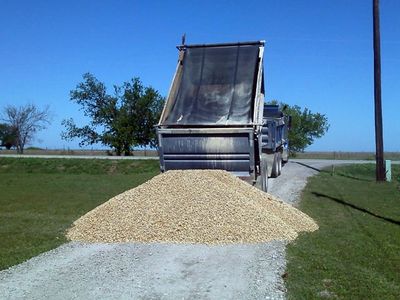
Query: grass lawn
[[40, 198], [344, 155], [356, 252]]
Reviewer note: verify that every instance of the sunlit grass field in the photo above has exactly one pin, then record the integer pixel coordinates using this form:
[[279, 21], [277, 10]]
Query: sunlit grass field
[[356, 252], [40, 198]]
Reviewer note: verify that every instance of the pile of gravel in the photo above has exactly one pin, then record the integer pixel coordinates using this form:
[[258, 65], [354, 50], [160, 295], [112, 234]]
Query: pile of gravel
[[192, 206]]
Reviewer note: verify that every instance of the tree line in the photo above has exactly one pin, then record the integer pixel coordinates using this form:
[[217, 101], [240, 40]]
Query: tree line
[[125, 119]]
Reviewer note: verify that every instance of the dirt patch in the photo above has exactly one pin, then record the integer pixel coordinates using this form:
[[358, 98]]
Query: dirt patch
[[193, 206], [112, 169], [61, 168]]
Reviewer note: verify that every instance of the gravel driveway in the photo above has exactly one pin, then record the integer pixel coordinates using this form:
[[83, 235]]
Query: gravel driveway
[[162, 271]]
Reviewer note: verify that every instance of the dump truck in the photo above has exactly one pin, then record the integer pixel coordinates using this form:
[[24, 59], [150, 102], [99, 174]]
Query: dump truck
[[213, 116], [275, 140]]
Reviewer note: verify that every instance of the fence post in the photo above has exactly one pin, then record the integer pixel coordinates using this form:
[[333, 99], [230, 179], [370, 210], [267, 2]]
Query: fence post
[[388, 170]]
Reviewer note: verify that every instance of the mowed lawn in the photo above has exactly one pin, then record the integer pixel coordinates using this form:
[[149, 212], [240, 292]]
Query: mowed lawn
[[356, 252], [40, 198]]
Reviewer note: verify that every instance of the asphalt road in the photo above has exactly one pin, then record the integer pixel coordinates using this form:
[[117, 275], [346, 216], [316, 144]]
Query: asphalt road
[[78, 156], [162, 271]]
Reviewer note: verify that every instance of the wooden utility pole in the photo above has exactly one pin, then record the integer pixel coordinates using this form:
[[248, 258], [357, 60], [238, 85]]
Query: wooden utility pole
[[380, 169]]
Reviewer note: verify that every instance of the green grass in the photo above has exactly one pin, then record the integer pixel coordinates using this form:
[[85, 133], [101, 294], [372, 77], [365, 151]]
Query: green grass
[[40, 198], [344, 155], [356, 252]]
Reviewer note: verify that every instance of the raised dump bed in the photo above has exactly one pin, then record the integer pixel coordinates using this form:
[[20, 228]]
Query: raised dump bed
[[213, 115]]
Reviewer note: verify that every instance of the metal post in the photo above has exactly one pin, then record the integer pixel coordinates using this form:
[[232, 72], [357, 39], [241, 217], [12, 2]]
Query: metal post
[[388, 170], [380, 169]]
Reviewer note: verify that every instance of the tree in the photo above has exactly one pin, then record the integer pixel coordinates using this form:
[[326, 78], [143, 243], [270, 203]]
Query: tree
[[8, 136], [306, 126], [122, 121], [26, 121]]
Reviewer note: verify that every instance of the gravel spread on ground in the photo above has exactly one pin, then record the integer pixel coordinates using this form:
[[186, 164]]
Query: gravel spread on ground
[[192, 206]]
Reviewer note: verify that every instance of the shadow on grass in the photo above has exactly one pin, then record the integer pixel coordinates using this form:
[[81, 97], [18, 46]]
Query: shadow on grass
[[353, 177], [357, 208], [336, 174]]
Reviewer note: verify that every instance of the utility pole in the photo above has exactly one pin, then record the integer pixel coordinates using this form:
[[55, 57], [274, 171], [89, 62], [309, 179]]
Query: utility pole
[[380, 169]]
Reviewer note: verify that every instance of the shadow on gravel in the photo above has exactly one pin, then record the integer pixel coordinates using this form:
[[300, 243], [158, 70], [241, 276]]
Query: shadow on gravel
[[357, 208]]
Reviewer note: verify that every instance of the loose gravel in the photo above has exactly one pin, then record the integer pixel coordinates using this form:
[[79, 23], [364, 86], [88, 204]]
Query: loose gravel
[[148, 271], [192, 206]]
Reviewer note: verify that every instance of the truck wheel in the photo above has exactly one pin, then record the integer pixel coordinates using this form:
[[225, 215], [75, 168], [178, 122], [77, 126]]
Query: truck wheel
[[275, 166], [285, 155], [264, 173], [279, 163]]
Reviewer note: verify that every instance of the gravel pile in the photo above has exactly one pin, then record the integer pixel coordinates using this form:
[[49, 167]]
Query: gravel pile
[[192, 206]]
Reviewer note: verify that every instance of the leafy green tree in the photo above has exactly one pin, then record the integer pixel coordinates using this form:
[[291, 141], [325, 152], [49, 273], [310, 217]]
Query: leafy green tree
[[8, 136], [306, 126], [121, 121]]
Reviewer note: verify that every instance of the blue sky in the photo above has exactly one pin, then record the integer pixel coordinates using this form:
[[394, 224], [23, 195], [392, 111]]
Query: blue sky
[[318, 55]]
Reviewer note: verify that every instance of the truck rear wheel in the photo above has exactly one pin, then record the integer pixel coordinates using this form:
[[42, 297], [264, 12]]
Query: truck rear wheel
[[285, 155], [279, 163], [264, 173], [275, 166]]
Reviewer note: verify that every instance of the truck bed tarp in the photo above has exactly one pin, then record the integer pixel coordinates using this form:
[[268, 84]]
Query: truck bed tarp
[[217, 86]]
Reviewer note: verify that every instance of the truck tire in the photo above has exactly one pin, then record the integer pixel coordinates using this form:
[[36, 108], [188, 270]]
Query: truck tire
[[285, 154], [279, 163], [264, 173], [275, 166]]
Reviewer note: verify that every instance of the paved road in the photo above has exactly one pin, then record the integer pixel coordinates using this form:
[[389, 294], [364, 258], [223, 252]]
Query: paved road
[[315, 162], [162, 271], [77, 156]]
